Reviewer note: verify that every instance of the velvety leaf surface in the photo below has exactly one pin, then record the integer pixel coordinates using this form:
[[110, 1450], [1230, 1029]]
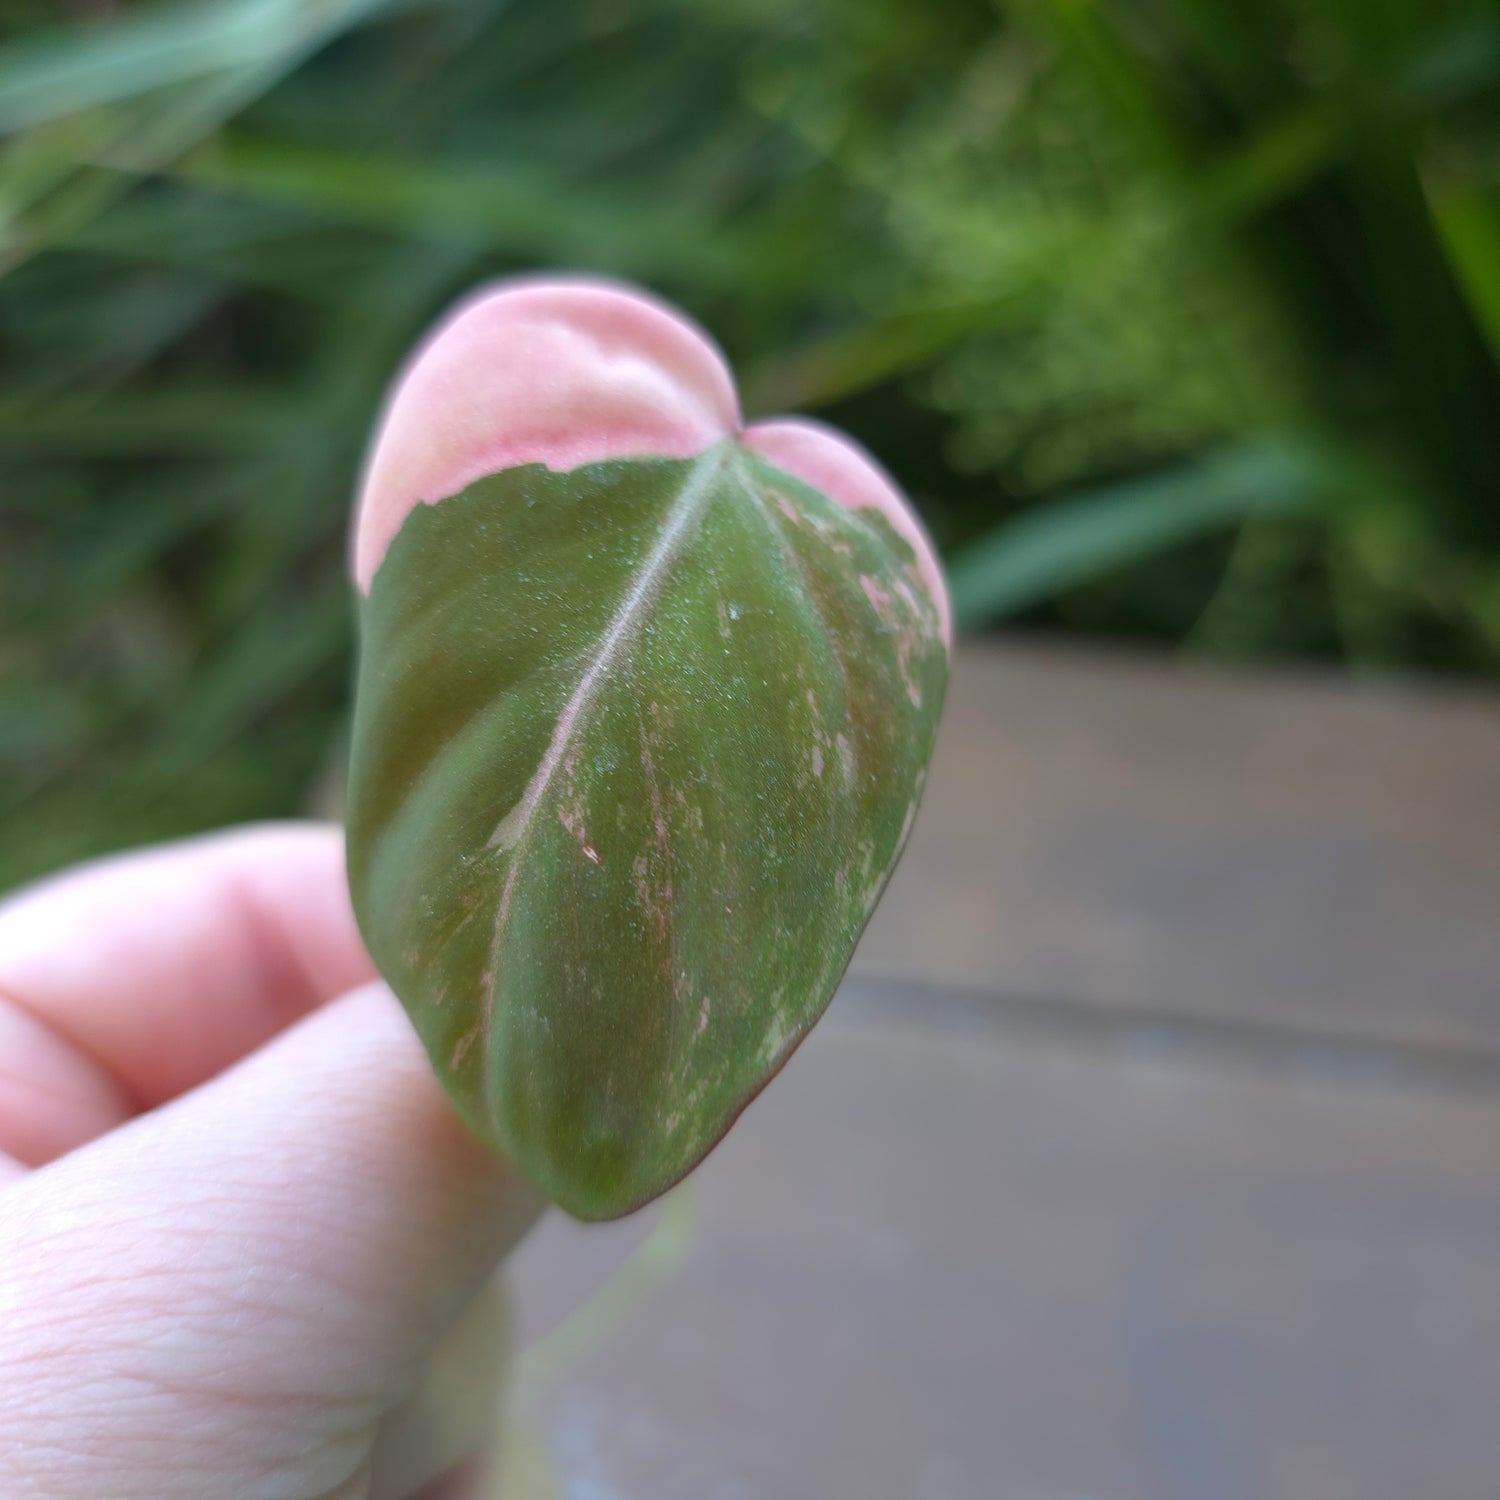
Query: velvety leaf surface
[[636, 748]]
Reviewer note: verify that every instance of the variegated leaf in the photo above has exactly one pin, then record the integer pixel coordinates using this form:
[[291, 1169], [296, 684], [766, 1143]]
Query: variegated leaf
[[641, 729]]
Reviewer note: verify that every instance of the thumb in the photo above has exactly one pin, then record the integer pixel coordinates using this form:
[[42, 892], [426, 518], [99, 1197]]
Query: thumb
[[228, 1295]]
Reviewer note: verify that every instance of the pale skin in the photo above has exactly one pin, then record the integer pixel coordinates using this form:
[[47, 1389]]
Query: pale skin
[[238, 1219]]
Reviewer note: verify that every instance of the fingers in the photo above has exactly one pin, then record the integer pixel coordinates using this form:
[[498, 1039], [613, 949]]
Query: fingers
[[53, 1095], [131, 979], [227, 1295]]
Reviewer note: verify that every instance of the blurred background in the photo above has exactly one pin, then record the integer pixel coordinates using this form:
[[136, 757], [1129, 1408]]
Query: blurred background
[[1152, 1150], [1180, 320]]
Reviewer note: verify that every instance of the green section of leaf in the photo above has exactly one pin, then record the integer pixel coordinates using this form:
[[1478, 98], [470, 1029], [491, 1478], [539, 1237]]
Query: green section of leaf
[[635, 750]]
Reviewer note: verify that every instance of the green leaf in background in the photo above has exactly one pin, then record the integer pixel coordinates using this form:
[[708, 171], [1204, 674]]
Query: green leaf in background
[[636, 747], [58, 73], [1069, 542], [1018, 249]]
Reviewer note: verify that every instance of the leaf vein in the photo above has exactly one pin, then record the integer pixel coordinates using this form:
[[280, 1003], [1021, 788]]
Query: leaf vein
[[514, 830]]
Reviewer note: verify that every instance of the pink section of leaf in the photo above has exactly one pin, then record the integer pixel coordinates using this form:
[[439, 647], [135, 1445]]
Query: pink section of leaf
[[561, 373], [565, 373], [842, 470]]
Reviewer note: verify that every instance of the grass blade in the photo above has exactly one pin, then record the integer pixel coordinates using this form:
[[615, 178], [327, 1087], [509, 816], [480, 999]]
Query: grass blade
[[1069, 542]]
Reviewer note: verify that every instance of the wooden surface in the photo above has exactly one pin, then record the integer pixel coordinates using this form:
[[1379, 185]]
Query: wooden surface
[[1127, 832], [1152, 1150]]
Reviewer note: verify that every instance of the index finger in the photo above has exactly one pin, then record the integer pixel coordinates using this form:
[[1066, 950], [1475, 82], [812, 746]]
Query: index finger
[[131, 979]]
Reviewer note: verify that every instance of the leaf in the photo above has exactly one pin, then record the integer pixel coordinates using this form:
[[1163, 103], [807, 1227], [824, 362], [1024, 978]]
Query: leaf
[[855, 359], [1068, 542], [483, 201], [1468, 223], [636, 747], [57, 73]]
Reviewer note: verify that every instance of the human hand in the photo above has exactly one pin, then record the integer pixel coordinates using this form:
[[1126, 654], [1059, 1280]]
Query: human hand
[[237, 1215]]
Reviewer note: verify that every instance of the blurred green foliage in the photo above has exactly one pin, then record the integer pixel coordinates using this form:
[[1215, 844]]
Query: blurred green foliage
[[1180, 318]]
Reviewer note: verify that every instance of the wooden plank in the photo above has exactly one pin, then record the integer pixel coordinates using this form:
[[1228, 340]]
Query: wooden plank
[[1133, 833], [960, 1262]]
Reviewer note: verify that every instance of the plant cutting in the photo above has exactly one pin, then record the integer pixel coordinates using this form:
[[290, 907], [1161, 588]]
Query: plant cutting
[[645, 703]]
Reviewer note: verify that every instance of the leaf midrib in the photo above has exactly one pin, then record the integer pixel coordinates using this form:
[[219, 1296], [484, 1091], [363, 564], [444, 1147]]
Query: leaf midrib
[[513, 833]]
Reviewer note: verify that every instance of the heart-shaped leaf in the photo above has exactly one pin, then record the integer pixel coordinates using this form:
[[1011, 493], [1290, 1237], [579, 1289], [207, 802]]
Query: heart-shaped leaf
[[645, 705]]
